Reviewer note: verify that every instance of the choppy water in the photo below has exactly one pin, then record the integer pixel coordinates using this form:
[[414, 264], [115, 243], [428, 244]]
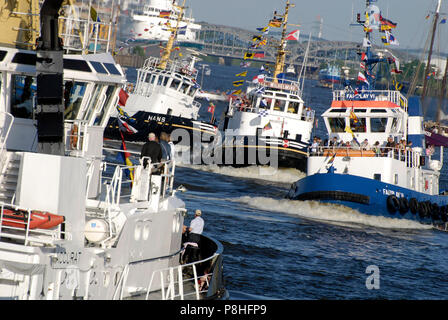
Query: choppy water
[[280, 249]]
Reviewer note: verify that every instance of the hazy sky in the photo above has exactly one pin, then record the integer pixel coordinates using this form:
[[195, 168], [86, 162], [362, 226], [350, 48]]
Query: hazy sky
[[411, 31]]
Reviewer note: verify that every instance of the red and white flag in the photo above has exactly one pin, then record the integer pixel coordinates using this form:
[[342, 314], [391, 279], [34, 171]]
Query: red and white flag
[[126, 127], [294, 35], [362, 77], [258, 79]]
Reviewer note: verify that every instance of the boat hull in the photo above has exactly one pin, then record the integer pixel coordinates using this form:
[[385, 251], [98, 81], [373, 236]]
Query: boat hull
[[370, 197], [275, 152]]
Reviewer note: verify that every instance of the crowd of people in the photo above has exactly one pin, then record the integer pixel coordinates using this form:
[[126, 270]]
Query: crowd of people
[[380, 150]]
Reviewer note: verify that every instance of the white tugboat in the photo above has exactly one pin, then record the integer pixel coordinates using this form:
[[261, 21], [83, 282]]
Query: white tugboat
[[72, 226], [378, 162], [271, 119], [163, 99]]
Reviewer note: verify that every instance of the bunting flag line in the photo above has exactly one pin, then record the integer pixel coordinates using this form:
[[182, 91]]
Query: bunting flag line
[[261, 43], [258, 79], [275, 23], [242, 74], [236, 92], [126, 127], [362, 77], [257, 38], [387, 22], [124, 155]]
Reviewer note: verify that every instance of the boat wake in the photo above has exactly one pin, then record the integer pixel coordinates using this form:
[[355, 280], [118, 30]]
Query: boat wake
[[330, 213], [288, 175]]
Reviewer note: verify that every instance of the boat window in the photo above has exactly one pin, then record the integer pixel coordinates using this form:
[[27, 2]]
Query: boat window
[[78, 65], [192, 92], [358, 125], [359, 110], [293, 107], [175, 84], [165, 81], [112, 69], [105, 106], [73, 94], [184, 87], [378, 124], [265, 103], [282, 95], [24, 58], [153, 79], [98, 67], [378, 111], [2, 55], [394, 125], [279, 105], [338, 110], [337, 124], [23, 94], [93, 102], [160, 80]]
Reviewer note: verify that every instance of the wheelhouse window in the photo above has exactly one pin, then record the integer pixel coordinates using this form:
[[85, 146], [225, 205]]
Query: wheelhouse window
[[279, 105], [358, 124], [93, 102], [378, 124], [293, 107], [23, 93], [73, 94], [175, 84], [337, 124], [105, 106]]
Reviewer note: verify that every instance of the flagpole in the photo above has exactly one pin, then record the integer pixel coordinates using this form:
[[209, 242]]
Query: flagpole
[[281, 53]]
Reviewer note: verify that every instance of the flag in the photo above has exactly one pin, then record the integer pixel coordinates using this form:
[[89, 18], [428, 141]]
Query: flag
[[366, 43], [386, 22], [281, 77], [427, 17], [385, 40], [122, 97], [443, 21], [164, 14], [236, 92], [267, 126], [259, 44], [242, 74], [258, 79], [349, 130], [392, 39], [211, 108], [362, 77], [276, 23], [245, 64], [263, 113], [264, 30], [257, 38], [353, 116], [248, 55], [331, 160], [126, 127], [363, 56], [124, 156], [93, 14], [259, 54], [238, 83], [294, 35]]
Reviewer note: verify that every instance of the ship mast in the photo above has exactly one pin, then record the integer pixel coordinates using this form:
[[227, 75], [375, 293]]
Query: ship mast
[[428, 63], [169, 46], [281, 53]]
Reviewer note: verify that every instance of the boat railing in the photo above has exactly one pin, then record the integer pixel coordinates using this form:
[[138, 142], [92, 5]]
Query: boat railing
[[410, 157], [190, 281], [173, 66], [393, 96], [6, 122], [22, 230]]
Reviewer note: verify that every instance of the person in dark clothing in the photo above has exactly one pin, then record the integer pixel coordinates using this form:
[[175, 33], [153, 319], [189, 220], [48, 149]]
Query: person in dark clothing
[[152, 150], [166, 148]]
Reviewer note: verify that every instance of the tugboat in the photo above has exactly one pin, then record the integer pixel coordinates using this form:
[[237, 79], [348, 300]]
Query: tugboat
[[163, 99], [377, 161], [330, 76], [72, 224], [270, 125]]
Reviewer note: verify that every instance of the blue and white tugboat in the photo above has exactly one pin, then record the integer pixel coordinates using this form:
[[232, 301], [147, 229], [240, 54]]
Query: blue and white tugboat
[[377, 161]]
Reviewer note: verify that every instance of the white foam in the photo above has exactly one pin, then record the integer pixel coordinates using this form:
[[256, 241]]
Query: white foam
[[328, 212], [283, 175]]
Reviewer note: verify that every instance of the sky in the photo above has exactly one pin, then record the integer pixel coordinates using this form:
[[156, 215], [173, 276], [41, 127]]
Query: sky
[[411, 32]]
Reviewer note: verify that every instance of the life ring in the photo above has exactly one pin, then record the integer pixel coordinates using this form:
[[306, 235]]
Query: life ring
[[422, 210], [74, 137], [404, 205], [435, 211], [413, 205], [392, 203]]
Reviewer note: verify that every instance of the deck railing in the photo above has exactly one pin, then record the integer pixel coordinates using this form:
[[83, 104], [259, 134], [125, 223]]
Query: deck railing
[[372, 95]]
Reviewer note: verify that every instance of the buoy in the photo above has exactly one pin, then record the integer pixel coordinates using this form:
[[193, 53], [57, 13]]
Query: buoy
[[404, 205], [392, 203]]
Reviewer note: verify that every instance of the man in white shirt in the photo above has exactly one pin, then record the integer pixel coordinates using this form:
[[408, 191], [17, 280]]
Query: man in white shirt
[[196, 227]]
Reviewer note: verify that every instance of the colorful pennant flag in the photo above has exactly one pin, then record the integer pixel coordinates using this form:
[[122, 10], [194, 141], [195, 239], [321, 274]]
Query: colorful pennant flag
[[362, 77], [237, 92], [248, 55], [275, 23], [238, 83], [267, 126], [294, 35], [242, 74], [124, 156], [164, 14]]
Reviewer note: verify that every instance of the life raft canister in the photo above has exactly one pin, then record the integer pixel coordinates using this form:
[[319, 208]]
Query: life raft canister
[[392, 203]]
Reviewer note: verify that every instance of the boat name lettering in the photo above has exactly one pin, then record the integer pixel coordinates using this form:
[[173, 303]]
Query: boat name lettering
[[282, 86], [157, 118], [395, 193], [65, 258], [360, 96]]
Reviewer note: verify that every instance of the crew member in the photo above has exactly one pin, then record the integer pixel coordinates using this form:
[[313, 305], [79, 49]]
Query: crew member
[[152, 150]]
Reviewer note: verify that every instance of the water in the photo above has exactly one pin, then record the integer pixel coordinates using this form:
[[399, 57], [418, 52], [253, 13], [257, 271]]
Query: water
[[280, 249]]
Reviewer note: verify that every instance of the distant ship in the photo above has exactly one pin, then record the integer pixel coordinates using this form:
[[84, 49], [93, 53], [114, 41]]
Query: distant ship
[[330, 76], [154, 21]]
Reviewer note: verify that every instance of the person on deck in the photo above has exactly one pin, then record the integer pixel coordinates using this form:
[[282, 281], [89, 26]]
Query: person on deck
[[152, 150]]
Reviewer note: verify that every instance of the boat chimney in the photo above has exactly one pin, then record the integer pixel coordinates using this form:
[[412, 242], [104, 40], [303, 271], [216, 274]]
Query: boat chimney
[[49, 73], [415, 123]]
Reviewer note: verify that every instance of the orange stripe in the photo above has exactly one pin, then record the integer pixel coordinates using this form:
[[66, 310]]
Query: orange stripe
[[363, 104]]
